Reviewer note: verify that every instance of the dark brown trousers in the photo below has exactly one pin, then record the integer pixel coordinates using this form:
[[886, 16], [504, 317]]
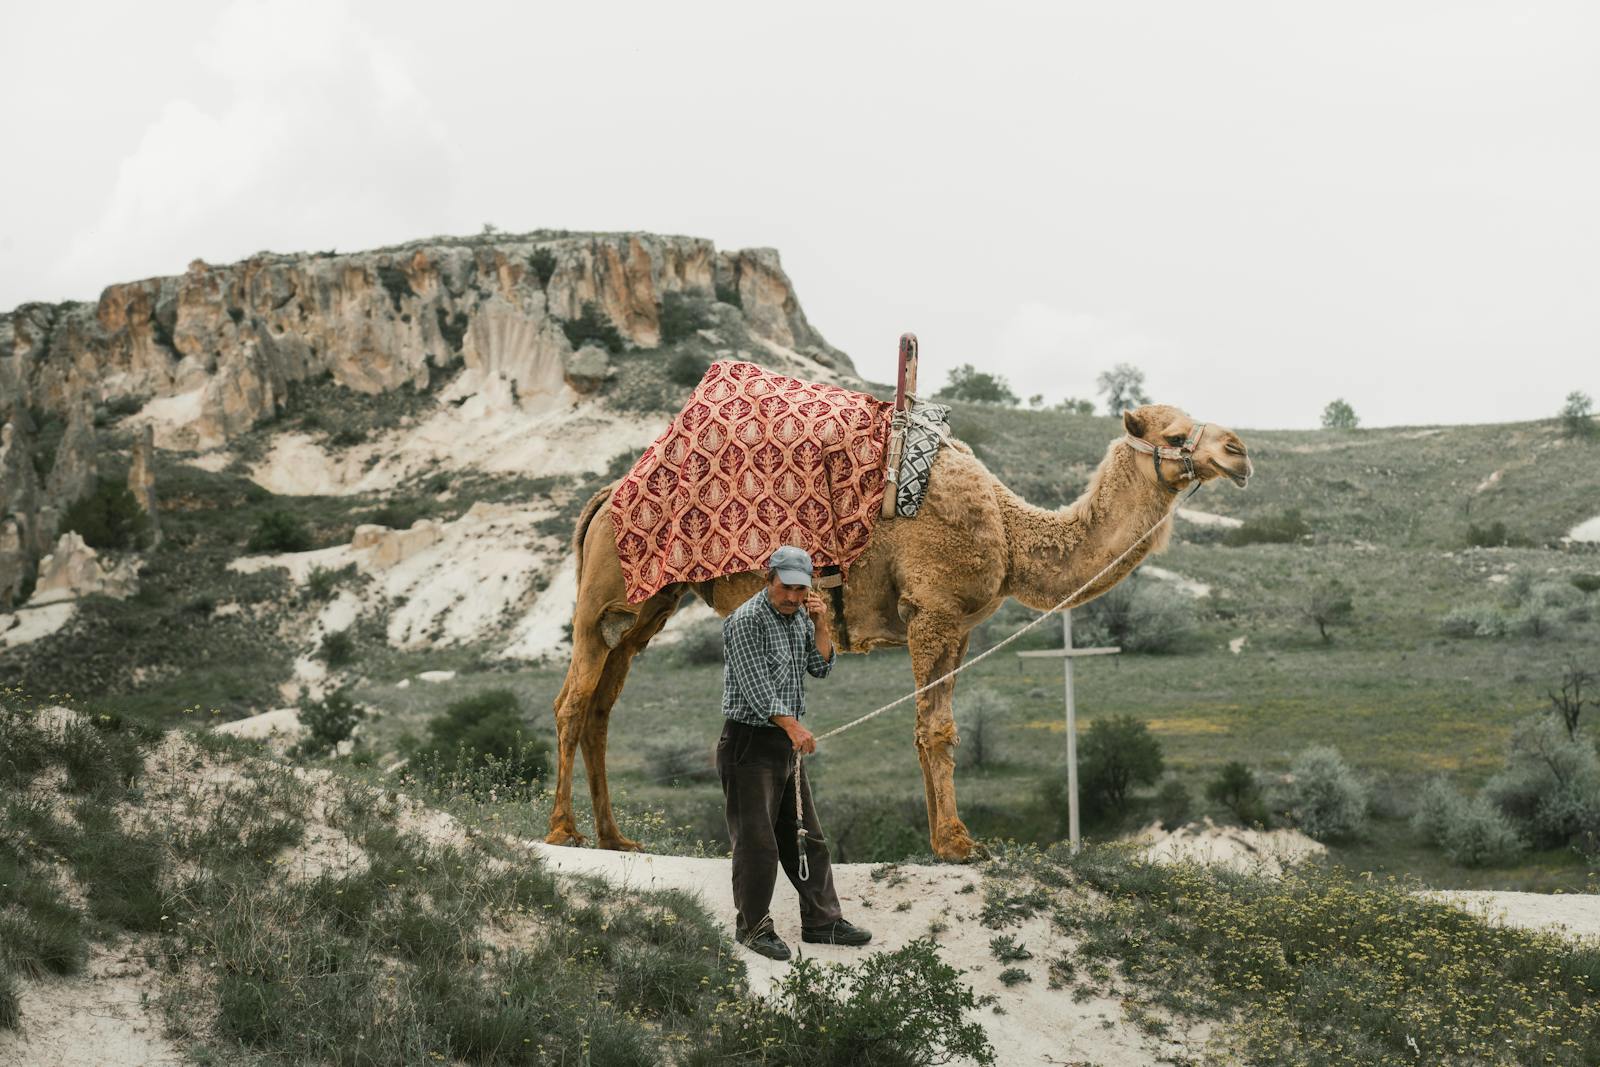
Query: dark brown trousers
[[757, 768]]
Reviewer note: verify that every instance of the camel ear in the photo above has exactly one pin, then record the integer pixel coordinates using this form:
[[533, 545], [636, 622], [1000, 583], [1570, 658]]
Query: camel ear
[[1133, 424]]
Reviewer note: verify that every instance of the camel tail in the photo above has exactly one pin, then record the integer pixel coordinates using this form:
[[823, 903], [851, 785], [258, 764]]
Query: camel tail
[[590, 510]]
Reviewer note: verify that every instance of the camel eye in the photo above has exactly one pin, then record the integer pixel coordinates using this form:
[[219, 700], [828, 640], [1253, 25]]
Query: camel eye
[[1230, 447], [1175, 439]]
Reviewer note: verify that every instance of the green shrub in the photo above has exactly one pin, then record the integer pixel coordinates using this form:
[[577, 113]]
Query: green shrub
[[1473, 833], [279, 530], [968, 383], [1491, 535], [1138, 615], [1286, 527], [1587, 583], [338, 649], [729, 294], [593, 325], [1550, 786], [1328, 603], [1481, 621], [700, 645], [1116, 754], [1236, 788], [1323, 796], [1577, 414], [108, 517], [483, 740], [1173, 804], [686, 369], [543, 264], [328, 722], [895, 1009], [322, 582], [681, 315]]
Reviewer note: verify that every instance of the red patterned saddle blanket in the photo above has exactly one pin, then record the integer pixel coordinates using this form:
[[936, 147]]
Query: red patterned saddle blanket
[[753, 461]]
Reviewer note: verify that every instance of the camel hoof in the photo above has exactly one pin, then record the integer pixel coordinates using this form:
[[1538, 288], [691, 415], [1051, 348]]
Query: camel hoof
[[620, 844], [959, 848], [563, 837]]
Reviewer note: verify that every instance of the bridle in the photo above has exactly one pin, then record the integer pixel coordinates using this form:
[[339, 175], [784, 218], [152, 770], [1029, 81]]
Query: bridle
[[1183, 453]]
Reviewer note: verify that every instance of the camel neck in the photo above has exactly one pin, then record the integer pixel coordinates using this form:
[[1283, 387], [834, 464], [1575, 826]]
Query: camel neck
[[1053, 553]]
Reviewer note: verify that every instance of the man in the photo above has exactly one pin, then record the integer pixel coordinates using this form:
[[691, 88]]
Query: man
[[767, 642]]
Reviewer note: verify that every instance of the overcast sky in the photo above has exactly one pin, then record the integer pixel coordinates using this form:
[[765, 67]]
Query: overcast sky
[[1262, 205]]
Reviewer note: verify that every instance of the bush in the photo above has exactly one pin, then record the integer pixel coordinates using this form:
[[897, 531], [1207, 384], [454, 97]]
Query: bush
[[1235, 787], [338, 649], [729, 294], [1173, 804], [1329, 604], [593, 325], [680, 756], [543, 264], [1339, 415], [1491, 535], [280, 531], [1481, 621], [322, 582], [979, 728], [899, 1009], [108, 517], [486, 738], [1115, 755], [328, 722], [1138, 615], [700, 645], [1286, 527], [1473, 833], [1323, 796], [1550, 787], [686, 369], [681, 315], [1577, 414], [1586, 583]]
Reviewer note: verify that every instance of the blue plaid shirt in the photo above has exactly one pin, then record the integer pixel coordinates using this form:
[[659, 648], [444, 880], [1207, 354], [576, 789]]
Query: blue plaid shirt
[[764, 651]]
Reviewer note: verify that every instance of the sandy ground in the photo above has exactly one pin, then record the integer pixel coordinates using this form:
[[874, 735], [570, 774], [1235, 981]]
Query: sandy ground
[[1039, 1025], [1588, 530], [101, 1018]]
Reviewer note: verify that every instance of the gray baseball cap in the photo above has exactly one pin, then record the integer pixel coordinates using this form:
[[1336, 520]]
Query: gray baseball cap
[[792, 564]]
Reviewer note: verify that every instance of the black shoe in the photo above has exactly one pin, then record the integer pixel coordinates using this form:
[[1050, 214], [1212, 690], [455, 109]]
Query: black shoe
[[836, 933], [766, 942]]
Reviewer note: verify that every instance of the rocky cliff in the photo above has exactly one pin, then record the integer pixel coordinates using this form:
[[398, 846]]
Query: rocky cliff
[[200, 359], [223, 343]]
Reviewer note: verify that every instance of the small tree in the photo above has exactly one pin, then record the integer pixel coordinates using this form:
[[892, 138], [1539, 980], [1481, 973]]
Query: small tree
[[1329, 604], [1075, 406], [108, 517], [1117, 754], [967, 382], [980, 729], [1570, 702], [1576, 414], [594, 325], [1123, 388], [1235, 787], [328, 722], [1339, 415], [279, 531]]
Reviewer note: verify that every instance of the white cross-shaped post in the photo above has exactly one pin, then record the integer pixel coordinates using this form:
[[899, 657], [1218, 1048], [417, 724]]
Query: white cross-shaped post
[[1068, 654]]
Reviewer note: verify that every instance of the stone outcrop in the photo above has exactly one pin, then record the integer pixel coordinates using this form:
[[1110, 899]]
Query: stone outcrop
[[21, 533], [73, 472], [142, 479], [587, 369], [392, 547], [215, 350], [74, 570]]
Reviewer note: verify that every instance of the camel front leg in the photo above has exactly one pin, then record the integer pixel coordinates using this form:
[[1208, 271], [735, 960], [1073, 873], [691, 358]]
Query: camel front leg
[[593, 739], [937, 646]]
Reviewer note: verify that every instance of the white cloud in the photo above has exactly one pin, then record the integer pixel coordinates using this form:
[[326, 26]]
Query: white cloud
[[268, 162]]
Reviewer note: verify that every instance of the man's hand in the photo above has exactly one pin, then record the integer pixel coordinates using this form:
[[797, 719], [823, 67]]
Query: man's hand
[[819, 620], [799, 736], [817, 610]]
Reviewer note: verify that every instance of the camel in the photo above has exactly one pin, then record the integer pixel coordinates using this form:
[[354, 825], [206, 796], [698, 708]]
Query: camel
[[924, 582]]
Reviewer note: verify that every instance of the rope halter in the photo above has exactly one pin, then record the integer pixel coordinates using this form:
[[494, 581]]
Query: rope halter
[[1183, 454]]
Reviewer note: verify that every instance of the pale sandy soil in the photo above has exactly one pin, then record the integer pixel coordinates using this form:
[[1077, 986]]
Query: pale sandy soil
[[1178, 581], [101, 1018], [1206, 518], [1588, 530]]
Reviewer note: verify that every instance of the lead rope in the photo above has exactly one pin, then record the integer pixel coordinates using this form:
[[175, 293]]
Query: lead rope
[[804, 871]]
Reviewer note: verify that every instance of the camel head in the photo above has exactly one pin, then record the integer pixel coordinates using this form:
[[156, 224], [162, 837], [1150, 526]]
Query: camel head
[[1184, 451]]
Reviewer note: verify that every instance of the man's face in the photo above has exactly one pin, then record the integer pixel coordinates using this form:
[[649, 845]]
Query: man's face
[[786, 598]]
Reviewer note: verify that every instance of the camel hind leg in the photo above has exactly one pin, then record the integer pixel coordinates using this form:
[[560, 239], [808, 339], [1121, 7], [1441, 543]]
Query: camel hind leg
[[653, 614], [584, 675]]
